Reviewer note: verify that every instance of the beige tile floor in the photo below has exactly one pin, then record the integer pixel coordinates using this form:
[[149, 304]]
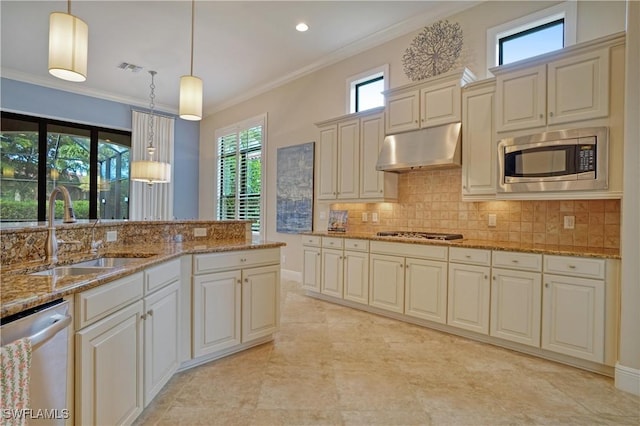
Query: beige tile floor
[[331, 365]]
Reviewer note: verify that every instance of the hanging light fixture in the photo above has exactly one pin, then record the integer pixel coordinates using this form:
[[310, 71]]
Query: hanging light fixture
[[68, 46], [191, 87], [151, 171]]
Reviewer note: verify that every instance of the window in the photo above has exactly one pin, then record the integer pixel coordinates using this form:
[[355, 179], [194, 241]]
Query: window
[[240, 155], [365, 89], [541, 32], [39, 154]]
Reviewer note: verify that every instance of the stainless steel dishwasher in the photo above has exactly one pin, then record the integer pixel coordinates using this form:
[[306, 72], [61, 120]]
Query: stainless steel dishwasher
[[47, 326]]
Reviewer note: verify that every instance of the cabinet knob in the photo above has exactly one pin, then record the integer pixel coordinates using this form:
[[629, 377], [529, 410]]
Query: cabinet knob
[[246, 280], [541, 116], [464, 187], [407, 266], [355, 245], [143, 316], [381, 191], [546, 285], [494, 277], [400, 265], [486, 277], [318, 254], [515, 261], [239, 281], [551, 114], [572, 266], [150, 312], [416, 121], [468, 256]]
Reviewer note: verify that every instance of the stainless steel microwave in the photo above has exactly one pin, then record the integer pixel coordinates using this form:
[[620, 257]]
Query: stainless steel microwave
[[564, 160]]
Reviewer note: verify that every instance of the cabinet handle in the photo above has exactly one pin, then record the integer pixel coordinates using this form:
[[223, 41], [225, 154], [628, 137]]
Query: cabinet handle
[[467, 256], [551, 114], [246, 280], [318, 254], [464, 187], [239, 281], [541, 116], [546, 285], [150, 312], [381, 191], [486, 277], [494, 277], [572, 266], [407, 266], [143, 316], [400, 265], [416, 121], [515, 261]]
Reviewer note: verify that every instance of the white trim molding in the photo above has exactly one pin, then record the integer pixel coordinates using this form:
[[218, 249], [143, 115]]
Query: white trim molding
[[627, 379], [289, 275]]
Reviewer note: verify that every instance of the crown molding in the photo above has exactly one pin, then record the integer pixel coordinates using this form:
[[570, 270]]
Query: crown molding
[[57, 84]]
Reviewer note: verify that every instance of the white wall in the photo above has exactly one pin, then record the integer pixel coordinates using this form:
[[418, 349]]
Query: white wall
[[293, 108]]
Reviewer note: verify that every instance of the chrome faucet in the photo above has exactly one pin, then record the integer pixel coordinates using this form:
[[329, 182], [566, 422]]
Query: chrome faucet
[[95, 244], [51, 248]]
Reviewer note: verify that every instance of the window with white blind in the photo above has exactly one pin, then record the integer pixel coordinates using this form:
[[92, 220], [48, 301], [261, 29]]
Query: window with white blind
[[240, 157]]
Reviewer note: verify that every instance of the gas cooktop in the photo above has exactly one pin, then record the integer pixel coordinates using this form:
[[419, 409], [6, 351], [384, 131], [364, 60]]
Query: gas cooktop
[[423, 235]]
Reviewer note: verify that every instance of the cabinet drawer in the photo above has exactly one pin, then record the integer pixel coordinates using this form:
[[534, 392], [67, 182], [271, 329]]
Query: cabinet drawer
[[511, 260], [574, 266], [97, 303], [332, 242], [422, 251], [470, 256], [356, 245], [203, 263], [311, 240], [161, 275]]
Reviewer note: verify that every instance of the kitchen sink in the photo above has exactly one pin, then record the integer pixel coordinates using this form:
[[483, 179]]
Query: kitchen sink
[[106, 262], [64, 271]]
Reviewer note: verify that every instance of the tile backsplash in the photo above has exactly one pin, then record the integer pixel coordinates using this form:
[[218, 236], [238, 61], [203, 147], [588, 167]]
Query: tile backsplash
[[430, 200]]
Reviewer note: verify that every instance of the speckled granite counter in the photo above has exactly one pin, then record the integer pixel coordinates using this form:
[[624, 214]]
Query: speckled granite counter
[[603, 253], [19, 291]]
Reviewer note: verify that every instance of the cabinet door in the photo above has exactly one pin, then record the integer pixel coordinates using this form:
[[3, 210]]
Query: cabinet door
[[356, 277], [328, 165], [521, 99], [372, 136], [440, 104], [386, 289], [578, 87], [402, 112], [311, 268], [348, 159], [573, 317], [479, 153], [161, 338], [468, 302], [260, 302], [216, 312], [516, 298], [332, 269], [426, 290], [109, 368]]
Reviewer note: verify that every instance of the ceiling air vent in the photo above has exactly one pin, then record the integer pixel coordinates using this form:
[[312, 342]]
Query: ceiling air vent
[[125, 66]]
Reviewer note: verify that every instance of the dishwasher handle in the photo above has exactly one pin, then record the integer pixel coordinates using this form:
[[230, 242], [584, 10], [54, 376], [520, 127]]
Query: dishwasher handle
[[60, 322]]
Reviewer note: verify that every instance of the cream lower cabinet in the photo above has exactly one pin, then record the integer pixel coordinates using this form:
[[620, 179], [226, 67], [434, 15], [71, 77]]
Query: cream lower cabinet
[[356, 276], [311, 263], [109, 369], [332, 272], [426, 290], [573, 317], [469, 289], [239, 304], [386, 287]]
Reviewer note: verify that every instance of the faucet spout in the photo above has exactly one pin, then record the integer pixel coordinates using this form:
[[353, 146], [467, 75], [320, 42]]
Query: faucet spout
[[51, 248]]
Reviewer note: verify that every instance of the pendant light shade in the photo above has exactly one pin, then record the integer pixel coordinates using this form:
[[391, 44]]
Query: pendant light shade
[[190, 107], [190, 98], [68, 47], [151, 172]]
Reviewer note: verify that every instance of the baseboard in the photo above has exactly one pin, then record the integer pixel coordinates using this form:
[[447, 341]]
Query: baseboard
[[287, 274], [627, 379]]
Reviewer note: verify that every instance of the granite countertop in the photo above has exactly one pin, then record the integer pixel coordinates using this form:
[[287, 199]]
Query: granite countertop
[[20, 291], [556, 249]]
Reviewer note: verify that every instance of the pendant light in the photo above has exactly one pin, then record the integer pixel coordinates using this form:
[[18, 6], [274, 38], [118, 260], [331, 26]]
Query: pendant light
[[150, 171], [68, 46], [191, 87]]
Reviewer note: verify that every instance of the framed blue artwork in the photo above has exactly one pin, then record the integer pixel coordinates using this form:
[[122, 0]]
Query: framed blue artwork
[[295, 188]]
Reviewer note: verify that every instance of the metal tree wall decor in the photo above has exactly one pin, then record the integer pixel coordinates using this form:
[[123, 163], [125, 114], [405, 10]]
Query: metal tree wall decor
[[434, 51]]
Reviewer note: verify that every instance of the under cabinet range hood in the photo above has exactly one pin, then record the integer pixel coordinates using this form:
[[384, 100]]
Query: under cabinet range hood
[[434, 147]]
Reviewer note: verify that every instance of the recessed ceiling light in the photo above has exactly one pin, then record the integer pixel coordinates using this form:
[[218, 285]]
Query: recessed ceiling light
[[302, 27]]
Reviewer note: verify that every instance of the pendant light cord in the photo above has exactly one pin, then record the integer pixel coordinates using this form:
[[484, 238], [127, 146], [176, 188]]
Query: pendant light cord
[[193, 8], [150, 149]]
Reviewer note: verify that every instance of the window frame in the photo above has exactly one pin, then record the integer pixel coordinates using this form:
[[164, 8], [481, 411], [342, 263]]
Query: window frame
[[361, 79], [525, 33], [237, 128], [567, 10], [94, 131]]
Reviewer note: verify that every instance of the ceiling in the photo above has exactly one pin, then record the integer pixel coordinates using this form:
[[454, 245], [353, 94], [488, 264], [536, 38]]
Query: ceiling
[[240, 48]]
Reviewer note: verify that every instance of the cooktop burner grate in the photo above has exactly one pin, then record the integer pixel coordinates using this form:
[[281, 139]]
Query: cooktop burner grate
[[424, 235]]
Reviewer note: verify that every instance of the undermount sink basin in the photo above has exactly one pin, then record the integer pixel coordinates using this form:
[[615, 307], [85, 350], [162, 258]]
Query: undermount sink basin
[[106, 262], [93, 266], [64, 271]]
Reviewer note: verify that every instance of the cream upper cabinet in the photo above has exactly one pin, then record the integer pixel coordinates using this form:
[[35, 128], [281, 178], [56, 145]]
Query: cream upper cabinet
[[427, 103], [327, 155], [402, 111], [374, 184], [480, 142], [573, 87], [347, 156]]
